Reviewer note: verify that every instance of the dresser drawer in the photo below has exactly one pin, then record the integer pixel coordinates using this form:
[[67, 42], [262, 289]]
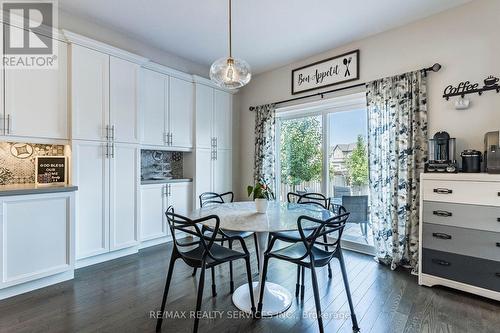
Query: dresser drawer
[[467, 242], [461, 215], [468, 192], [474, 271]]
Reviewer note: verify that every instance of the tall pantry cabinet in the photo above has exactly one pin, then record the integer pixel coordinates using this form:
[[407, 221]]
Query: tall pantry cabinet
[[105, 140], [213, 172]]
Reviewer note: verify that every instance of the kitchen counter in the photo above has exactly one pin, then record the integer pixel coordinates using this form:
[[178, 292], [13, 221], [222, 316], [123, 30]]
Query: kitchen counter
[[166, 181], [25, 189]]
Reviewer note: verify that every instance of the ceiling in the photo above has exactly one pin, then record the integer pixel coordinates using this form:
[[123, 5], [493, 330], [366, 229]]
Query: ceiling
[[266, 33]]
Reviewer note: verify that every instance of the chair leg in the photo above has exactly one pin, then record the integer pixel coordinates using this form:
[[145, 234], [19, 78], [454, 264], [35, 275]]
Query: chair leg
[[214, 287], [250, 283], [194, 271], [231, 282], [302, 286], [340, 256], [165, 293], [201, 284], [316, 297], [325, 240], [262, 286], [257, 250], [297, 285]]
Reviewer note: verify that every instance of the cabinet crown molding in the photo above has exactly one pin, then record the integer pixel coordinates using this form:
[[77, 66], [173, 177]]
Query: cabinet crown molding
[[75, 38], [167, 71], [207, 82]]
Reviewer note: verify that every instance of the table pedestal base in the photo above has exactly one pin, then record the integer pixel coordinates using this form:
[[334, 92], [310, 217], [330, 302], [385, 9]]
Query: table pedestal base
[[276, 299]]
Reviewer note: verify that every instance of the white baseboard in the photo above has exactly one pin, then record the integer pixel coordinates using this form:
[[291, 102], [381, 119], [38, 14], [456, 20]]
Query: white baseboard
[[106, 257], [37, 284]]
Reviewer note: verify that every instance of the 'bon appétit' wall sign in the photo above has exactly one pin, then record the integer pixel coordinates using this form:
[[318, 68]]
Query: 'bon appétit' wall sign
[[339, 69]]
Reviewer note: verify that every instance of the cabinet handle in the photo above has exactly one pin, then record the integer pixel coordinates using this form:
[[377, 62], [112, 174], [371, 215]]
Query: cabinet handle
[[113, 150], [441, 235], [440, 262], [8, 128], [106, 153], [171, 138], [442, 213], [443, 191], [113, 132], [107, 132]]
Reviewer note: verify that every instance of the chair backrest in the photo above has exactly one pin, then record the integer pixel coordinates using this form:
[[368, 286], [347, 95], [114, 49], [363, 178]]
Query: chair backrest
[[309, 198], [178, 222], [324, 228], [337, 209], [357, 206], [209, 198]]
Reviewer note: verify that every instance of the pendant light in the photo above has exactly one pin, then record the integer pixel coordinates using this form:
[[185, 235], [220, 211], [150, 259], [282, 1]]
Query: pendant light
[[229, 72]]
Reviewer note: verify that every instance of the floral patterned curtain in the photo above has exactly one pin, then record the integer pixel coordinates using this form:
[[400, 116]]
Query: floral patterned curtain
[[397, 139], [264, 143]]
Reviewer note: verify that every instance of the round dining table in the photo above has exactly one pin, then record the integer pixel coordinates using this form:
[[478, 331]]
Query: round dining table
[[242, 216]]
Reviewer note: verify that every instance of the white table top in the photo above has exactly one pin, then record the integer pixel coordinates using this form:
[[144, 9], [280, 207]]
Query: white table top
[[242, 216]]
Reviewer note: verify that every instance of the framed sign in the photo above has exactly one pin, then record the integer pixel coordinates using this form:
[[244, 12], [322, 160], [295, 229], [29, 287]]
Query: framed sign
[[339, 69], [50, 170]]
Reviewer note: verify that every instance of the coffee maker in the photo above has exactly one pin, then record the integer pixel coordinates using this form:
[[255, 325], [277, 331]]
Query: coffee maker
[[442, 154], [492, 152]]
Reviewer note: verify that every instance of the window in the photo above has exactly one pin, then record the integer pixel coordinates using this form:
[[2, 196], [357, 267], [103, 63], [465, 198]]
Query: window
[[323, 148]]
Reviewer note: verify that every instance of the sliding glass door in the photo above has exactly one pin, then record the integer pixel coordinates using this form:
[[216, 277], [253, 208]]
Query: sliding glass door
[[325, 151]]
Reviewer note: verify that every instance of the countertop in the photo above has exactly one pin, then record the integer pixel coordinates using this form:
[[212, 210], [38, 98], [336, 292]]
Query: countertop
[[24, 189], [166, 181]]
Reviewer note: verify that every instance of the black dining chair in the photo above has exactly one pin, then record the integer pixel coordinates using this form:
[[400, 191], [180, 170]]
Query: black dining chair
[[212, 198], [317, 199], [358, 206], [308, 254], [201, 253]]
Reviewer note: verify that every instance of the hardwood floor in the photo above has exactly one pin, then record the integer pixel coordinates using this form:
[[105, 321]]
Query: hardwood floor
[[118, 296]]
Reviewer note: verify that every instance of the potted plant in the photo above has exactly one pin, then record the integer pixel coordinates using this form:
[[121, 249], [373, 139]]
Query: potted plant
[[261, 193]]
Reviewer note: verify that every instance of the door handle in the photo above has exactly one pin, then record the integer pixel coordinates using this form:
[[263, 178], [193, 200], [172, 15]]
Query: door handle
[[441, 235], [440, 262], [442, 213], [443, 191]]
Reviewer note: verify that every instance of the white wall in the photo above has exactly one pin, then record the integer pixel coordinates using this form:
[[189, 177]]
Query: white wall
[[109, 36], [465, 40]]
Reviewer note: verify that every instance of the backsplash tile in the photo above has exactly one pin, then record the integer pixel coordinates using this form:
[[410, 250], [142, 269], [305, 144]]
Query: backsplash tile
[[17, 160], [158, 163]]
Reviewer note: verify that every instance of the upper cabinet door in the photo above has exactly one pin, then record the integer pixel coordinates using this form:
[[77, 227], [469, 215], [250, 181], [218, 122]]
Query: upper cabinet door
[[90, 93], [124, 115], [36, 100], [204, 116], [181, 112], [153, 107], [223, 119]]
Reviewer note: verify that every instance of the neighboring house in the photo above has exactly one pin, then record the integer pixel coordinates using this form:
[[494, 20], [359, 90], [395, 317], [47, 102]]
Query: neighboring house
[[338, 157]]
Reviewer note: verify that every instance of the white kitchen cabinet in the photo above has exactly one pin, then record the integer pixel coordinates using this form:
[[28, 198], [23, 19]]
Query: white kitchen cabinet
[[107, 177], [153, 105], [204, 172], [204, 116], [89, 93], [223, 123], [223, 175], [155, 200], [37, 238], [167, 110], [123, 104], [36, 100], [153, 205], [91, 174], [181, 98], [123, 220]]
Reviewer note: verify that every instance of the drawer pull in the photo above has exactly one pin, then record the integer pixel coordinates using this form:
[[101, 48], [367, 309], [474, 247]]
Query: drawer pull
[[443, 191], [441, 262], [441, 235], [442, 213]]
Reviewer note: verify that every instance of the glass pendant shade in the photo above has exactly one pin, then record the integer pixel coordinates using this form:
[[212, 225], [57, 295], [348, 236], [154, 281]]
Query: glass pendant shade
[[230, 73]]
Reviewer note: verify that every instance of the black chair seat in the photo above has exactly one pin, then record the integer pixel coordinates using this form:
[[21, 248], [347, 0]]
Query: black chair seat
[[291, 236], [220, 253], [294, 252]]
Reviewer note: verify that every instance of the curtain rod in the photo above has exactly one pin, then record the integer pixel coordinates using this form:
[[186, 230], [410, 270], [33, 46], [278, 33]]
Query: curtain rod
[[434, 68]]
